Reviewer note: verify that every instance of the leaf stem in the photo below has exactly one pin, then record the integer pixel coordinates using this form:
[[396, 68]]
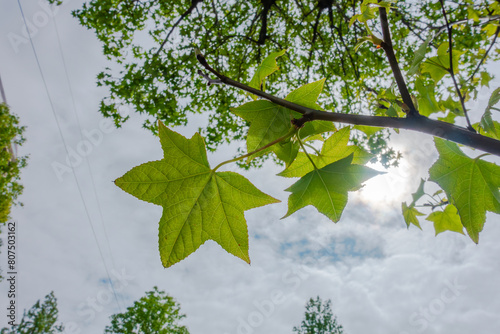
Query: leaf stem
[[290, 133], [312, 147], [305, 151]]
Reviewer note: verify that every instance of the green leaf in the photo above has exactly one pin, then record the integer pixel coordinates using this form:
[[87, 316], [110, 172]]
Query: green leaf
[[439, 65], [268, 122], [334, 149], [311, 129], [326, 188], [485, 79], [198, 204], [491, 127], [427, 103], [419, 193], [419, 55], [494, 98], [470, 184], [447, 220], [410, 215], [266, 68], [488, 127], [434, 68], [368, 130], [454, 106], [307, 95]]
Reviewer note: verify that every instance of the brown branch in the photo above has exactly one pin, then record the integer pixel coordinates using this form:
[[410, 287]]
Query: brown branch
[[417, 123], [263, 30], [451, 70], [389, 51]]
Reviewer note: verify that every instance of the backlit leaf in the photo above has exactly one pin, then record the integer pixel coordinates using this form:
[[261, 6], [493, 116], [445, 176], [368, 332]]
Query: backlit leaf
[[326, 188], [410, 215], [472, 185], [427, 103], [419, 193], [268, 122], [334, 148], [198, 203], [266, 68], [447, 220], [419, 55]]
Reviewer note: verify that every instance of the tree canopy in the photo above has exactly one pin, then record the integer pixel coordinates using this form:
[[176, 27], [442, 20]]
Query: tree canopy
[[155, 313], [41, 318], [320, 85], [319, 319], [150, 45]]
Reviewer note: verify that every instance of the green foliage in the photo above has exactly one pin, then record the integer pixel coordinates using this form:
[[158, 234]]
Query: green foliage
[[151, 45], [410, 214], [156, 313], [326, 188], [199, 204], [471, 185], [10, 166], [319, 319], [40, 319], [447, 220], [334, 148]]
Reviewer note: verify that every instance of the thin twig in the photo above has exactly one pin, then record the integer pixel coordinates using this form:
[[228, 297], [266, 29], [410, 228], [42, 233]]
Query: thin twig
[[485, 55], [194, 3], [452, 72]]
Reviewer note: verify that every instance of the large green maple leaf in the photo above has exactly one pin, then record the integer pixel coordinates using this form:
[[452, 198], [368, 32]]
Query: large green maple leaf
[[472, 185], [326, 188], [198, 203]]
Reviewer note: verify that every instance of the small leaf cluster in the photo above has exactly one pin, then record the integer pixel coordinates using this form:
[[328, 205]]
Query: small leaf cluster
[[155, 313], [470, 187]]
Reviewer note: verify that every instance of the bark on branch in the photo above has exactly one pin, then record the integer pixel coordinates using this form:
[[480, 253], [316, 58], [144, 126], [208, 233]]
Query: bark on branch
[[417, 123]]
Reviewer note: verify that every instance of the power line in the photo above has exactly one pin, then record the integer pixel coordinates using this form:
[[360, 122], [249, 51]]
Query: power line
[[89, 219], [70, 88]]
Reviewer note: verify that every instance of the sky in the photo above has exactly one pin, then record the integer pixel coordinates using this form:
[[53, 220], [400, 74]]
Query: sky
[[73, 232]]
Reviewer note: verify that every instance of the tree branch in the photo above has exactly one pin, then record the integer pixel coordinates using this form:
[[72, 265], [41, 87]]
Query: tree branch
[[389, 51], [452, 72], [485, 54], [194, 3], [416, 123]]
